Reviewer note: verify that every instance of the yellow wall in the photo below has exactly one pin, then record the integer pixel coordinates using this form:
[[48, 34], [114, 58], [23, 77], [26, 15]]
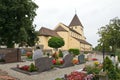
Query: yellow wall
[[65, 37], [73, 43], [43, 40]]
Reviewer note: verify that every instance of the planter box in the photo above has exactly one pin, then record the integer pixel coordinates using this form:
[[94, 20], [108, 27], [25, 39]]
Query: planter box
[[26, 72]]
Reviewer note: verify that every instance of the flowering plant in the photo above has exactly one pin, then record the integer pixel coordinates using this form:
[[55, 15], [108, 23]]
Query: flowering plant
[[96, 63], [89, 77], [25, 67], [57, 61], [94, 59], [75, 76], [29, 68], [29, 55], [75, 61]]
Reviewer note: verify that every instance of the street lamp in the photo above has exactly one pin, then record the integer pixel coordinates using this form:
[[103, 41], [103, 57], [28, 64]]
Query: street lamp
[[103, 51]]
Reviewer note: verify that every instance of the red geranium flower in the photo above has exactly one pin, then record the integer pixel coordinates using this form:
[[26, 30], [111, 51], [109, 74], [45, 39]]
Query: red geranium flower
[[54, 61], [94, 59]]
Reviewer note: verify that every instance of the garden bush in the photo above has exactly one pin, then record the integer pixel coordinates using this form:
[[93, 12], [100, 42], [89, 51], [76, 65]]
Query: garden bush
[[117, 53], [113, 72], [60, 53], [32, 67], [93, 69], [74, 51], [107, 64]]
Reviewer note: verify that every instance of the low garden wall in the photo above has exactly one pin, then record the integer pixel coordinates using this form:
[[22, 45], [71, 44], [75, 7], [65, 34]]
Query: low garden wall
[[10, 55]]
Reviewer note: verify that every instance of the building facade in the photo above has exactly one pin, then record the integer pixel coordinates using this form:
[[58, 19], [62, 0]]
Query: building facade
[[73, 35]]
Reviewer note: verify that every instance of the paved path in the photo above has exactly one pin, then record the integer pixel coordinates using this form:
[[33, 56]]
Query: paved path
[[47, 75]]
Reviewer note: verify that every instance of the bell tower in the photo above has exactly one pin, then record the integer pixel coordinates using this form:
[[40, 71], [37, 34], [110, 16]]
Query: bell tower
[[76, 25]]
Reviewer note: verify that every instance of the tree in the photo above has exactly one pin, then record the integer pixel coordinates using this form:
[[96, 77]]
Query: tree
[[110, 34], [56, 42], [16, 22]]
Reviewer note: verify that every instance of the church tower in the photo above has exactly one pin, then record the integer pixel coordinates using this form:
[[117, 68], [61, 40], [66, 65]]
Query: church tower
[[77, 26]]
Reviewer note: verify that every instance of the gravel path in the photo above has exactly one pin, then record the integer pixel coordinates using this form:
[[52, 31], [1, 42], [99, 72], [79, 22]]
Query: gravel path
[[47, 75]]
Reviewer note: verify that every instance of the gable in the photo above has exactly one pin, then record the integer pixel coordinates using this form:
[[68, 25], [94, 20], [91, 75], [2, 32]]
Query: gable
[[61, 27]]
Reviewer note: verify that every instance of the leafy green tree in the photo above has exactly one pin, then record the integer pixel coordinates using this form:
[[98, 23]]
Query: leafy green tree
[[56, 42], [110, 34], [16, 22]]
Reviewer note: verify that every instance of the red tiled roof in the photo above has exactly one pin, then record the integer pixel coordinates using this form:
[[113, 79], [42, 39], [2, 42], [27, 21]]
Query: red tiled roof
[[47, 32]]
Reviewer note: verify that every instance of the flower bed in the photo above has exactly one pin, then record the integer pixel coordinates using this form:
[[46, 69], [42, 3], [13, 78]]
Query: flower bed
[[94, 59], [27, 69], [57, 62], [75, 75]]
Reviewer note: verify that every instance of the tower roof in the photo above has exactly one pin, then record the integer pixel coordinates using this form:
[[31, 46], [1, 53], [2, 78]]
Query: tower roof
[[75, 21]]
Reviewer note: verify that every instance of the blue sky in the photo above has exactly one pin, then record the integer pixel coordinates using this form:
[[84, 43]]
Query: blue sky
[[93, 14]]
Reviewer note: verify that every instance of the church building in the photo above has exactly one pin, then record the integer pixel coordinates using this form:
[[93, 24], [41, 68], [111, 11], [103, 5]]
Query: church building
[[72, 34]]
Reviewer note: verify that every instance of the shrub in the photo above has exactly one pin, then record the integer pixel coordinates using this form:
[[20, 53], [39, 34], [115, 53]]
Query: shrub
[[118, 51], [32, 67], [60, 53], [107, 64], [93, 69], [74, 51]]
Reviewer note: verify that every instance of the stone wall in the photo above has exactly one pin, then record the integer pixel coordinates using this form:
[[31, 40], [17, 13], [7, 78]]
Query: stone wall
[[11, 55]]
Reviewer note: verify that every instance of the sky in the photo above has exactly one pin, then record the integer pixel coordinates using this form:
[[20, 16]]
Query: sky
[[93, 14]]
